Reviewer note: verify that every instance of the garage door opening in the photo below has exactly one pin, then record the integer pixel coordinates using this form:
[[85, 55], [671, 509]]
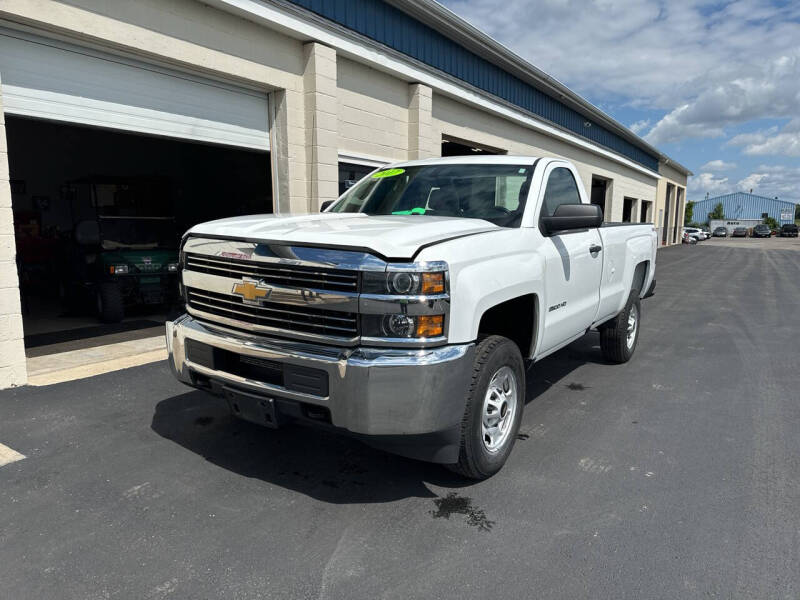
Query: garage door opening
[[628, 209], [98, 215], [457, 147], [647, 212], [600, 189]]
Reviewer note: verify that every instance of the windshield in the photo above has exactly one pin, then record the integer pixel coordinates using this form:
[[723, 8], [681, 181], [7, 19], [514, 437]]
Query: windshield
[[496, 193], [137, 232]]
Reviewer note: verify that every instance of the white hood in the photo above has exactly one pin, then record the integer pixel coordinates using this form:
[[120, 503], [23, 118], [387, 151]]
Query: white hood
[[391, 236]]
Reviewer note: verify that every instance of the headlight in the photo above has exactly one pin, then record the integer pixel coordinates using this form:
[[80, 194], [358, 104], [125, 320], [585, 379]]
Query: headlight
[[172, 267], [425, 279], [402, 325], [118, 269]]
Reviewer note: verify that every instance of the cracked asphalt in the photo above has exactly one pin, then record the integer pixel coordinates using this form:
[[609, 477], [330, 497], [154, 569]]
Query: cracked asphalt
[[676, 475]]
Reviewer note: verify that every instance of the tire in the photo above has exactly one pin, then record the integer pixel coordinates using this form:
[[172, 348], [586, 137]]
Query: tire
[[615, 343], [498, 363], [110, 307]]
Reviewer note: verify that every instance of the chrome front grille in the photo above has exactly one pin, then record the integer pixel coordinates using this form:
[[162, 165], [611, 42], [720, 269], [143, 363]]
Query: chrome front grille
[[295, 276], [274, 316]]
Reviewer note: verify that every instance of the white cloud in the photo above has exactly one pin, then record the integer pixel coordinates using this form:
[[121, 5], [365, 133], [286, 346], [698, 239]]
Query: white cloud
[[707, 183], [709, 65], [771, 90], [773, 180], [639, 126], [765, 180], [772, 141], [718, 165], [750, 183]]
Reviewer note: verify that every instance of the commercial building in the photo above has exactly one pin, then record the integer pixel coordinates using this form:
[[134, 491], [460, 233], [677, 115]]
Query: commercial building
[[203, 109], [741, 209]]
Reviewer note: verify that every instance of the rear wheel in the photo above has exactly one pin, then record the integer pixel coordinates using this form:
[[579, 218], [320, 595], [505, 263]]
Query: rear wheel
[[110, 306], [619, 336], [495, 401]]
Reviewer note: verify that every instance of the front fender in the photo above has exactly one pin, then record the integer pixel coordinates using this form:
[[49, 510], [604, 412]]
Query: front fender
[[486, 271]]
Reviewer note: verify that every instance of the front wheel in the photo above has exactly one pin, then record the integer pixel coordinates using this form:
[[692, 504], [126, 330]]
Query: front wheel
[[618, 337], [495, 401]]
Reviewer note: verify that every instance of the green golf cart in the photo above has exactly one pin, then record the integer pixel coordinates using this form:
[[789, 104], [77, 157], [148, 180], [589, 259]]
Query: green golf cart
[[124, 262]]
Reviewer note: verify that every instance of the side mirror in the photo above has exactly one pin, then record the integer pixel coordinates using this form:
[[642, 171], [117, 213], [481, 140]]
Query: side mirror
[[573, 216], [324, 206]]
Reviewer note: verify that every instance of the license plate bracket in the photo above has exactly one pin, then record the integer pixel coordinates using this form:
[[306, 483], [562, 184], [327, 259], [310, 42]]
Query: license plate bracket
[[252, 407]]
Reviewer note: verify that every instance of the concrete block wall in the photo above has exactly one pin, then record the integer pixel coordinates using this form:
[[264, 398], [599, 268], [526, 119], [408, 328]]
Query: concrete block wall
[[373, 112], [12, 348]]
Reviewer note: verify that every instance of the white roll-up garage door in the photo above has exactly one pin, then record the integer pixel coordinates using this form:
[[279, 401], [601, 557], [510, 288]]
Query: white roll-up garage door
[[52, 80]]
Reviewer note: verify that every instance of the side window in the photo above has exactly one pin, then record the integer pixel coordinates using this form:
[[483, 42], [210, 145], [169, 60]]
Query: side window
[[561, 189]]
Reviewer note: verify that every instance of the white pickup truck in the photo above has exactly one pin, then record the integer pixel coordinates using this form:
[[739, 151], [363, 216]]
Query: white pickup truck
[[405, 312]]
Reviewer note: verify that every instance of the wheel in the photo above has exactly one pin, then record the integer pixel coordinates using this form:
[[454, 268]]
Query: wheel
[[618, 336], [110, 307], [495, 401]]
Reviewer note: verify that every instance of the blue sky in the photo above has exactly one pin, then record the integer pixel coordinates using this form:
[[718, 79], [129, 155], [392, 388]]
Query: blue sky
[[714, 85]]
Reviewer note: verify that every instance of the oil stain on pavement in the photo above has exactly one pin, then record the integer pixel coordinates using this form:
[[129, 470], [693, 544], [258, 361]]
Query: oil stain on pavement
[[453, 504]]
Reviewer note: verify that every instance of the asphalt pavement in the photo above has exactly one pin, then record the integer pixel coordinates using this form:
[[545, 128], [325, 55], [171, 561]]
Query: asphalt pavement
[[676, 475]]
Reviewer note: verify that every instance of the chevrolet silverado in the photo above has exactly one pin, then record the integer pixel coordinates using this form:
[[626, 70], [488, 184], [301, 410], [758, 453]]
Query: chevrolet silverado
[[405, 312]]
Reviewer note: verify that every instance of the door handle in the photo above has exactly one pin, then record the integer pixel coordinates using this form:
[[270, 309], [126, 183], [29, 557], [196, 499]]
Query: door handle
[[594, 249]]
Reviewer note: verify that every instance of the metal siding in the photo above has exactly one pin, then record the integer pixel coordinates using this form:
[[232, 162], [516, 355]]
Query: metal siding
[[405, 34], [742, 205]]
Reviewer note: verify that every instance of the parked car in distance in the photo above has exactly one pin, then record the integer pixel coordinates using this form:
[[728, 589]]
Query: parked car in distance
[[687, 238], [761, 230], [739, 232], [720, 232], [789, 230], [696, 233]]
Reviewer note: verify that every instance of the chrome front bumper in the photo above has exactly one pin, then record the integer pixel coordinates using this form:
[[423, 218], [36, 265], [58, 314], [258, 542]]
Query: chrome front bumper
[[371, 391]]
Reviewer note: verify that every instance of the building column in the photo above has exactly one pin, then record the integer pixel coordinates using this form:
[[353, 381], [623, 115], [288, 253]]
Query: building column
[[635, 210], [420, 121], [321, 123], [12, 347], [613, 205], [287, 147]]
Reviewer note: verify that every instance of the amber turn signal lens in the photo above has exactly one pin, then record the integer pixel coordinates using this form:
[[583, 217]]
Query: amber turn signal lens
[[432, 283], [430, 326]]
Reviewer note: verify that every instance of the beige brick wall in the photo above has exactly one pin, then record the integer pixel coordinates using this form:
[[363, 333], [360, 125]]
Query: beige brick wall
[[373, 112], [459, 120], [12, 348], [321, 124]]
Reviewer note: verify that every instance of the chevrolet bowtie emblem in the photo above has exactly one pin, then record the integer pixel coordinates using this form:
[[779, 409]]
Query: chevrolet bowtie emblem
[[251, 290]]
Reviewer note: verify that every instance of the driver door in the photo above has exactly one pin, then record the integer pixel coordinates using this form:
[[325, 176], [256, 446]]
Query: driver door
[[573, 266]]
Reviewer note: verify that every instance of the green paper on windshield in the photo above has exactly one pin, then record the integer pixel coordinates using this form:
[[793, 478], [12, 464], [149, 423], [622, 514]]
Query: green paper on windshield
[[413, 211], [388, 173]]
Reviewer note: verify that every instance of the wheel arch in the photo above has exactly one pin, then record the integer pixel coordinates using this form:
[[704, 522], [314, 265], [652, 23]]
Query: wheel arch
[[515, 318]]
